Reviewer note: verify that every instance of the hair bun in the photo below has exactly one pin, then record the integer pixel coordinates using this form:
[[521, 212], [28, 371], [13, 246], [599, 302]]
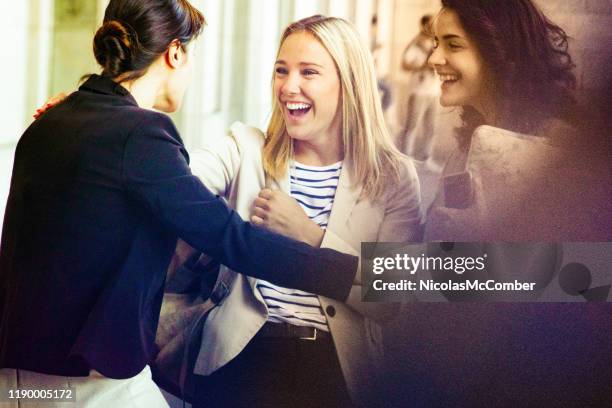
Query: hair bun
[[113, 48]]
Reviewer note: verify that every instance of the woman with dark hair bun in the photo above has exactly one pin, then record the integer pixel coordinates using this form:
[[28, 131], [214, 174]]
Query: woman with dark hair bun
[[100, 191], [130, 39], [515, 173]]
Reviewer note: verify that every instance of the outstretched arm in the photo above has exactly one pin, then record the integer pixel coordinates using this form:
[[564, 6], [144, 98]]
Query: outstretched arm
[[157, 173]]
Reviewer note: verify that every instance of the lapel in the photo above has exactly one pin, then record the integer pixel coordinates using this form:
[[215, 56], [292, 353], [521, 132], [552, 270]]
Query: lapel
[[284, 186], [347, 195], [345, 199]]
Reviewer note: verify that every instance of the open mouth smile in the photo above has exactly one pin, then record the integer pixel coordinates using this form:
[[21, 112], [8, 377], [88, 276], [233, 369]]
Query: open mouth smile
[[448, 79], [298, 109]]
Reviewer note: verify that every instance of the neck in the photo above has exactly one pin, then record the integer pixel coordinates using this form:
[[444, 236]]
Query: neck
[[489, 117], [486, 107], [318, 154], [144, 89]]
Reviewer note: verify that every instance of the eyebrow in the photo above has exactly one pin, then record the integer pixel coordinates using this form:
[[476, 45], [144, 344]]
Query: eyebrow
[[450, 36], [301, 63]]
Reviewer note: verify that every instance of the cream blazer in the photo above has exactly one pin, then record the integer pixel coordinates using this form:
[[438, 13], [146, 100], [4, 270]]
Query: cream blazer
[[517, 188], [232, 167]]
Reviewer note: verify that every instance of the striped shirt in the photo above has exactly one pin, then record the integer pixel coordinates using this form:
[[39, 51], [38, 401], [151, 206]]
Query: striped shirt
[[314, 189]]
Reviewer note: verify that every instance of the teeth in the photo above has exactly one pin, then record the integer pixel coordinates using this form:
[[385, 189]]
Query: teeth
[[448, 77], [294, 105]]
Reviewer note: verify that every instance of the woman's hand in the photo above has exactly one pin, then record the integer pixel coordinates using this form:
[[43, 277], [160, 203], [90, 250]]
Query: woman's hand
[[51, 102], [282, 214]]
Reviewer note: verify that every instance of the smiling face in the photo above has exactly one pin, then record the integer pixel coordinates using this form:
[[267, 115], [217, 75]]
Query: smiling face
[[307, 90], [458, 63]]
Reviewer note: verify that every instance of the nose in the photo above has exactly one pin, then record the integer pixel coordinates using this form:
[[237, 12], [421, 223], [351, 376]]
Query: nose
[[291, 84], [437, 57]]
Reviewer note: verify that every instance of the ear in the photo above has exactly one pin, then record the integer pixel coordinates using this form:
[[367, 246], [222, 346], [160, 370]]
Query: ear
[[175, 55]]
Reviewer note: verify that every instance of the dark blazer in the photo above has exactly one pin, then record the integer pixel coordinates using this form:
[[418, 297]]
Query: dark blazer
[[100, 191]]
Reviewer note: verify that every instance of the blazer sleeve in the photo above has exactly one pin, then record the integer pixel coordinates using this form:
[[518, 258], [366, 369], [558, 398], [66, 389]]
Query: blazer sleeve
[[216, 164], [156, 173]]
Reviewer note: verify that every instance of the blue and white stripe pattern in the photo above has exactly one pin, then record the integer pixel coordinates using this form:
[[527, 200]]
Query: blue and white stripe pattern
[[314, 188]]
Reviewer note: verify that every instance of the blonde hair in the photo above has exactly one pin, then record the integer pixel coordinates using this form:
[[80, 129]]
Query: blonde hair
[[367, 144]]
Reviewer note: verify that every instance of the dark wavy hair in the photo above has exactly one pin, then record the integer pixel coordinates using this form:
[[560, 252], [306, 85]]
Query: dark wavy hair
[[527, 56], [136, 32]]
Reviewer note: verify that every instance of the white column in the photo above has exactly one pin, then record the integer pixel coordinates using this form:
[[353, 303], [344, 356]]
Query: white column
[[364, 10], [261, 52], [199, 115], [101, 7], [385, 35], [306, 8], [341, 8], [13, 63]]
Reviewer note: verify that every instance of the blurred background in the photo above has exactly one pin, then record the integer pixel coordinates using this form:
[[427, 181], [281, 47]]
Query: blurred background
[[49, 47]]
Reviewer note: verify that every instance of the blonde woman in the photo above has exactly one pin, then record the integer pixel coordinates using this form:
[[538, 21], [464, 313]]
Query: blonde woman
[[326, 173]]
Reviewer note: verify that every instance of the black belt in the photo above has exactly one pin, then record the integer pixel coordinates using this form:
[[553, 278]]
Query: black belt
[[290, 331]]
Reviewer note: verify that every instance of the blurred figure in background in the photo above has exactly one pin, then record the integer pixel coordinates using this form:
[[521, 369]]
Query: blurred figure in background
[[384, 88], [420, 98], [416, 53], [423, 129]]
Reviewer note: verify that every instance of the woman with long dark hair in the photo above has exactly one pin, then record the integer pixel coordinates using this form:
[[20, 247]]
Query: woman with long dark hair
[[521, 74], [101, 189], [515, 173]]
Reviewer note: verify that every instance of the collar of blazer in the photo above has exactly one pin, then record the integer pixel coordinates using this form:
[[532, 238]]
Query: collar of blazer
[[99, 84], [347, 195]]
